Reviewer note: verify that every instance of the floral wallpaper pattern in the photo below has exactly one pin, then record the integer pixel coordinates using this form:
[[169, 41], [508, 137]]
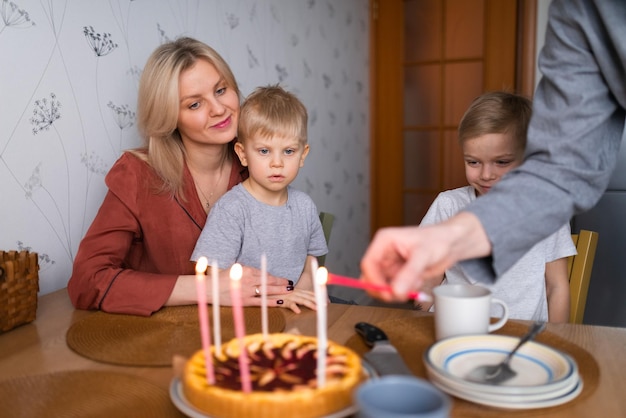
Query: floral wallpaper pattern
[[68, 85]]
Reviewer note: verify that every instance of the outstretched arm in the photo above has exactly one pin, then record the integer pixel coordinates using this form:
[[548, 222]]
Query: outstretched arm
[[406, 257]]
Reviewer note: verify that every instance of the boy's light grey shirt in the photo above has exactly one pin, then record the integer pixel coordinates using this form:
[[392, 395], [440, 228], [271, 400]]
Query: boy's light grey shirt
[[240, 228], [523, 286]]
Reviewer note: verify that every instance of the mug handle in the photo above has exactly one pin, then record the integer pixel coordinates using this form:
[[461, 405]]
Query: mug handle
[[503, 319]]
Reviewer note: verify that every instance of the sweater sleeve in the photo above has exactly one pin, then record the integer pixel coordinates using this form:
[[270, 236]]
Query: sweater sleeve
[[573, 137]]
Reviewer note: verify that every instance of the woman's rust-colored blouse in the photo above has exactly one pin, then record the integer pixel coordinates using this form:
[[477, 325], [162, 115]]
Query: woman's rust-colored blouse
[[139, 242]]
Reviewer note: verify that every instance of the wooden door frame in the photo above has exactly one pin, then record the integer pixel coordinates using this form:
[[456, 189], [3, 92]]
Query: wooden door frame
[[386, 174], [386, 87]]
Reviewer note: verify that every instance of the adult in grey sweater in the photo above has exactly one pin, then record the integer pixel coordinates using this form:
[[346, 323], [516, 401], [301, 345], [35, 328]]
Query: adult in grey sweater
[[573, 141]]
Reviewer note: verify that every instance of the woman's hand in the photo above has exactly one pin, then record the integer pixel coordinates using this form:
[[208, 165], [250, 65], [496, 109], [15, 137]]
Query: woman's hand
[[277, 288], [293, 300], [280, 292], [184, 291]]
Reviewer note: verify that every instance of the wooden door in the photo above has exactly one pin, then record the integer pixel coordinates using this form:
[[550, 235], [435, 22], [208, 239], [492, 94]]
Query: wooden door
[[430, 59]]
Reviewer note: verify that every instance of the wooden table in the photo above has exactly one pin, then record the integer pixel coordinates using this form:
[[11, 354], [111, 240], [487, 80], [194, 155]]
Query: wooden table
[[40, 347]]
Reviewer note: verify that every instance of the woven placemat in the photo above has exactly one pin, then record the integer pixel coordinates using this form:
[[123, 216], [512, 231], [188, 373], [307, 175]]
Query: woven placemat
[[412, 337], [131, 340], [84, 394]]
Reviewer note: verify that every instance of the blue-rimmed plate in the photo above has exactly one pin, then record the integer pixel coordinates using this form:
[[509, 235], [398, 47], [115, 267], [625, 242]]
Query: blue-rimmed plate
[[512, 401], [541, 370]]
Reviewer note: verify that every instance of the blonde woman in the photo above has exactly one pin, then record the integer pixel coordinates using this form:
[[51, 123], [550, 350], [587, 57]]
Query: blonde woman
[[134, 258]]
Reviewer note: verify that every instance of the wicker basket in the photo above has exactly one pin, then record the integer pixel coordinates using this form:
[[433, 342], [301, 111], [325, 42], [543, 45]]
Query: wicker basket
[[19, 284]]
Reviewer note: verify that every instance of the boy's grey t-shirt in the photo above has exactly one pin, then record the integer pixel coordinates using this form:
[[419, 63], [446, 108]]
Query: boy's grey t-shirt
[[240, 228], [523, 286]]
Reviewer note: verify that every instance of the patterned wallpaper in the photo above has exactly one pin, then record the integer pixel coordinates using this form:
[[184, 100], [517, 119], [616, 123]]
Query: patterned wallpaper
[[68, 84]]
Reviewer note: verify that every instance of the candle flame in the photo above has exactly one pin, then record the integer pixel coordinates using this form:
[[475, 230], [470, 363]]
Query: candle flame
[[236, 271], [321, 276], [201, 265]]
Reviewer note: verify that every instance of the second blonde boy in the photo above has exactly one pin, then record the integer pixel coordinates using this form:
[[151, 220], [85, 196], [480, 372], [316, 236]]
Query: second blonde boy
[[492, 135]]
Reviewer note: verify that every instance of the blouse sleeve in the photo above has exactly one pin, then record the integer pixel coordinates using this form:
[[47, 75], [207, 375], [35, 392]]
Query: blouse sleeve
[[108, 273]]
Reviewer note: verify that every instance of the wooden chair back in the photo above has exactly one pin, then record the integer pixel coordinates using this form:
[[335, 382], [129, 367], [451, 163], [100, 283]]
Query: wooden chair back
[[579, 269], [327, 220]]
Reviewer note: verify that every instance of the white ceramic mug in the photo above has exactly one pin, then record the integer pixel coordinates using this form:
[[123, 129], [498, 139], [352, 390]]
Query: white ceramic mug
[[464, 309]]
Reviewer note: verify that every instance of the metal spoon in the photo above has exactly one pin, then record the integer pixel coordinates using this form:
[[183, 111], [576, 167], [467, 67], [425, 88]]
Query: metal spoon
[[495, 374]]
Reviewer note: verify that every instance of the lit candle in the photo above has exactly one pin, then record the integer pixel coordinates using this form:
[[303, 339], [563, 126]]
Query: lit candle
[[236, 272], [321, 276], [217, 325], [264, 327], [203, 317]]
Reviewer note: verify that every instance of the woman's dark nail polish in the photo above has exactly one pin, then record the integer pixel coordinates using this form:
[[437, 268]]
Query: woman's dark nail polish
[[289, 287], [279, 302], [290, 282]]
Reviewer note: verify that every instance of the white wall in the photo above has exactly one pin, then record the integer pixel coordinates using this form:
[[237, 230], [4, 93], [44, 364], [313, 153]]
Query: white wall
[[68, 102]]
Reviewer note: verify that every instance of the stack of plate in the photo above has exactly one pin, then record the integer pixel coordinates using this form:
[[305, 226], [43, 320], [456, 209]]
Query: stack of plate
[[545, 376]]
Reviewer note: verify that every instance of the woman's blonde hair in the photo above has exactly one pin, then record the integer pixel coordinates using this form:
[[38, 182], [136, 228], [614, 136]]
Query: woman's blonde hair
[[497, 112], [272, 111], [158, 106]]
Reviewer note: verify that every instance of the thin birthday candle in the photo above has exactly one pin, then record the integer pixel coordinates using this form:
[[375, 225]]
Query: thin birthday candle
[[217, 324], [203, 317], [321, 277], [314, 269], [236, 271], [264, 326]]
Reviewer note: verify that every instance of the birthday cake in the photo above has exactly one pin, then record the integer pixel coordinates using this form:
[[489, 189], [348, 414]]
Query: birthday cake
[[283, 379]]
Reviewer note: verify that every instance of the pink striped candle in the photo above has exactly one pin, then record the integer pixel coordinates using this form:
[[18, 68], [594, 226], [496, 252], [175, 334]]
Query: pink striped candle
[[203, 317], [264, 326], [236, 271], [217, 324]]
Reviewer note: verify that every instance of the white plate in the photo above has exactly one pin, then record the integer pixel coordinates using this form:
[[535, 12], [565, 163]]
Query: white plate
[[512, 397], [506, 397], [504, 403], [540, 369], [179, 400]]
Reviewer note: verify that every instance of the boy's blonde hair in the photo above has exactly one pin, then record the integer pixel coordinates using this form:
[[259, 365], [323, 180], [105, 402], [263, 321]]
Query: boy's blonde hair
[[497, 112], [158, 105], [272, 111]]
